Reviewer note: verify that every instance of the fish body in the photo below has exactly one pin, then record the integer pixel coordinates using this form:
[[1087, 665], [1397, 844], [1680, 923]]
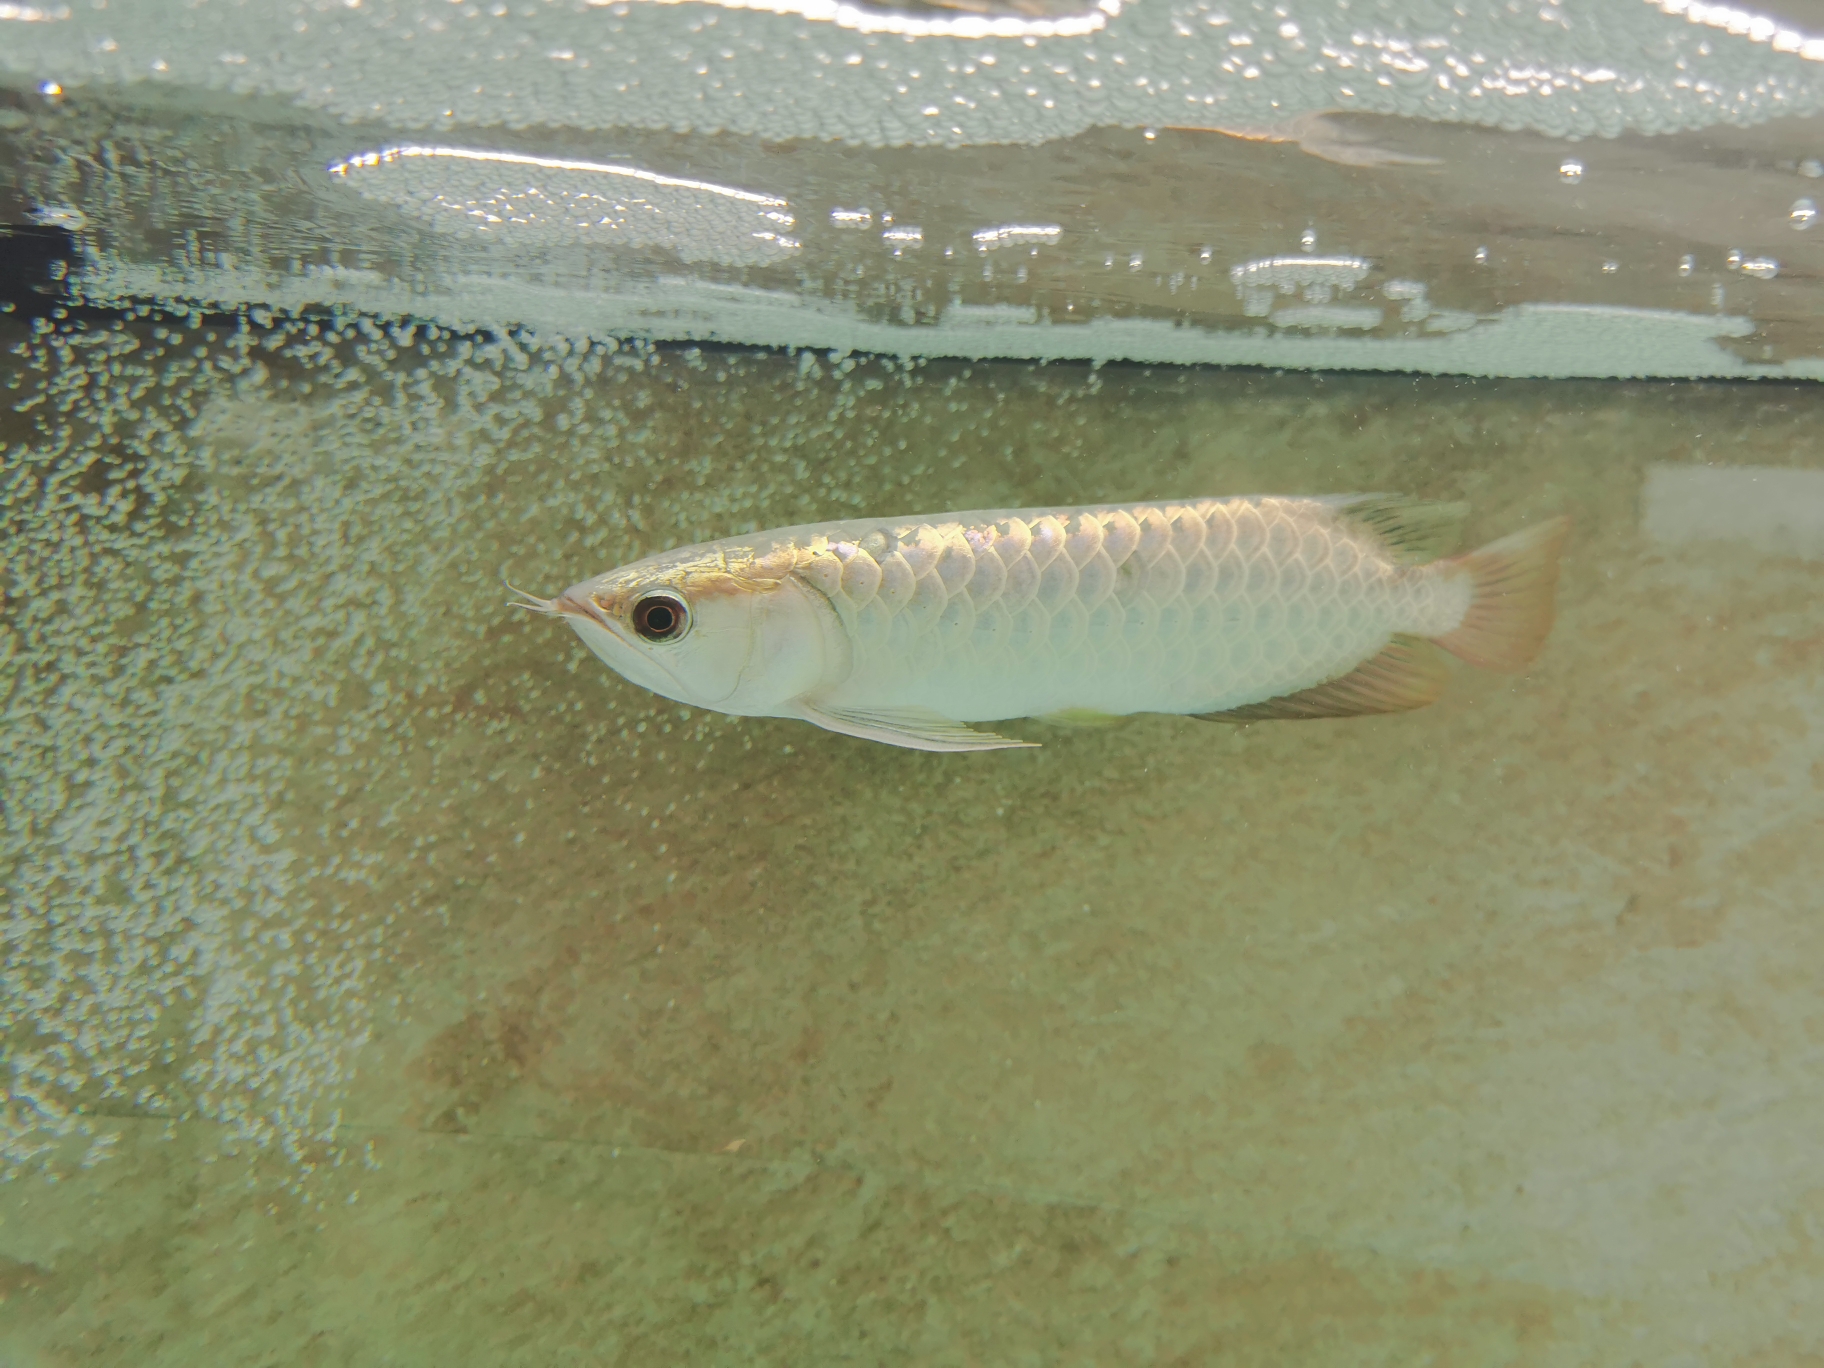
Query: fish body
[[907, 629]]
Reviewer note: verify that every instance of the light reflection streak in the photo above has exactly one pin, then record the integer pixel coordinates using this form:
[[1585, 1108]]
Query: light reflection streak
[[1008, 234], [390, 154], [1756, 28], [1288, 272], [558, 200], [865, 19]]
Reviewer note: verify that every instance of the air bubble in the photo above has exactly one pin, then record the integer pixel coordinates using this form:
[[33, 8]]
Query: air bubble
[[1482, 256], [1804, 214], [1687, 264], [1571, 171], [1308, 239], [1610, 267], [1811, 167]]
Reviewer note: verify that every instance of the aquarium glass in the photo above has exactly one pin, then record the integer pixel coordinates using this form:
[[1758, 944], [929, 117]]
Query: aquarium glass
[[384, 980]]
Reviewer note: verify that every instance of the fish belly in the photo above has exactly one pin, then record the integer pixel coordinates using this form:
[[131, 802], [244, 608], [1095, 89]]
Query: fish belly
[[1161, 607]]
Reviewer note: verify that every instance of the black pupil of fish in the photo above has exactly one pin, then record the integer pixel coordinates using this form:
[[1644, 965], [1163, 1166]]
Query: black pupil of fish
[[656, 619]]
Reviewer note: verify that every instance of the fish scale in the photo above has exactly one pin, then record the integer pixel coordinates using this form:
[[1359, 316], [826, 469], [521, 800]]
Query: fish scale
[[1067, 605], [905, 629]]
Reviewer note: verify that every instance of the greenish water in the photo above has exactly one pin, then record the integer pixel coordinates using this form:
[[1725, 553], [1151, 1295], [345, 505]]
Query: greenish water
[[385, 981]]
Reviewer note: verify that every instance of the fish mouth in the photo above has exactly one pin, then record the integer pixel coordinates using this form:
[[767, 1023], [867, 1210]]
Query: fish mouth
[[565, 606], [561, 606]]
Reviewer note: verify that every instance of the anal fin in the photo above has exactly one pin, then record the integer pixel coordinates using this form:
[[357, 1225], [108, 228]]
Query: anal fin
[[1407, 673], [914, 728]]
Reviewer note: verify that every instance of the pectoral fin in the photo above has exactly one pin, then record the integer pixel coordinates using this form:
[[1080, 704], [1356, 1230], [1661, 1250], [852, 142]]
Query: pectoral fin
[[913, 728]]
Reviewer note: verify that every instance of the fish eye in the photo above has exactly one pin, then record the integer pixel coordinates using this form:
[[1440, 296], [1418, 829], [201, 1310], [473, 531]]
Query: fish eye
[[660, 617]]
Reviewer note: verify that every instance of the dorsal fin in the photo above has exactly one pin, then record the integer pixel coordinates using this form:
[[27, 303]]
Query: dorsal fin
[[1408, 673], [1414, 530]]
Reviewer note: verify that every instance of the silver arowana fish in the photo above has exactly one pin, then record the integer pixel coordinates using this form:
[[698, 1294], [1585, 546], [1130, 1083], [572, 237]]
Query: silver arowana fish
[[905, 630]]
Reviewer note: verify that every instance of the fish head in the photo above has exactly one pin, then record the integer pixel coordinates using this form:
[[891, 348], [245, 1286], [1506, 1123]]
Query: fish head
[[734, 632]]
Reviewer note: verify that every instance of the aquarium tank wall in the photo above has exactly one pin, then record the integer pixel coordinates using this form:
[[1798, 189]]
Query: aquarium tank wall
[[388, 979]]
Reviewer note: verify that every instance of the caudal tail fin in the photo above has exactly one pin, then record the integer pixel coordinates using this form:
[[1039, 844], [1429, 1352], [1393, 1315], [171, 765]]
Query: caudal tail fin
[[1510, 608]]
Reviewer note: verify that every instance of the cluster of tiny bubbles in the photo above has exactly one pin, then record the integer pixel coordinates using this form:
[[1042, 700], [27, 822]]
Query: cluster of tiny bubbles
[[171, 955], [254, 578]]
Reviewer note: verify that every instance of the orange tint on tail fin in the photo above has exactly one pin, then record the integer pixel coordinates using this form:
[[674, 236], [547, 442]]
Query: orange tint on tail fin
[[1510, 608]]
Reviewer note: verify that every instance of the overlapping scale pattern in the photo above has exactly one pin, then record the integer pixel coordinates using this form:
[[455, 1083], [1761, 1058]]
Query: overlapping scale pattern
[[1160, 606]]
